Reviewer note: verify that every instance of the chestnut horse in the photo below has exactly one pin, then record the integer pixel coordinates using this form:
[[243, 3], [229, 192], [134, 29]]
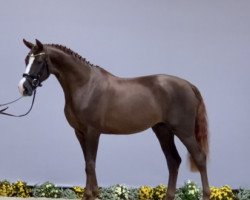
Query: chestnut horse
[[98, 102]]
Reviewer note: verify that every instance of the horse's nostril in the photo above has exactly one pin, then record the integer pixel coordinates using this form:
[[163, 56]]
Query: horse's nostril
[[25, 91]]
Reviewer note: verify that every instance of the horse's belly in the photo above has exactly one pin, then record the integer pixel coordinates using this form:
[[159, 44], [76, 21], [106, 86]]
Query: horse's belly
[[130, 122], [125, 128]]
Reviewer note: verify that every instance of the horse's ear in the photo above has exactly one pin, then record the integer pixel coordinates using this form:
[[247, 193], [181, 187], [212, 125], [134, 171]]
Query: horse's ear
[[28, 44], [39, 44]]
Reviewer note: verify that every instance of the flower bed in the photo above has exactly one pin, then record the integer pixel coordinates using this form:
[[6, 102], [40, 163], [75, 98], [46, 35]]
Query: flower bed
[[189, 191]]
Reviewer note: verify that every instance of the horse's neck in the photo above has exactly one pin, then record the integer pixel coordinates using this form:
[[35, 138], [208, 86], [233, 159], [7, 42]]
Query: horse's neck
[[70, 72]]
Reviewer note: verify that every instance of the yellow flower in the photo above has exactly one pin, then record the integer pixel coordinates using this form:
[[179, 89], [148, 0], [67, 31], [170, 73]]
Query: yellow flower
[[145, 193], [222, 193], [79, 191]]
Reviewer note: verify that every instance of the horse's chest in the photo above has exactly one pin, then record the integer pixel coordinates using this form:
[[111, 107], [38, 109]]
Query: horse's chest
[[72, 118]]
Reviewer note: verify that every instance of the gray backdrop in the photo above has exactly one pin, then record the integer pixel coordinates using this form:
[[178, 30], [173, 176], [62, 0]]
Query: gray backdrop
[[205, 42]]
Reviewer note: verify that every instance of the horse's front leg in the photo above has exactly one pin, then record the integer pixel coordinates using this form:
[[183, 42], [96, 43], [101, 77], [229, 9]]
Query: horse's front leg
[[89, 143]]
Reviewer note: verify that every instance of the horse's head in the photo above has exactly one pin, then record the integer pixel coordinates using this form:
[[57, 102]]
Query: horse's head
[[36, 68]]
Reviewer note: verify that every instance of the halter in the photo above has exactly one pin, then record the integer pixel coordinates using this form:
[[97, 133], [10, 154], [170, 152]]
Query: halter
[[39, 54], [35, 79], [35, 82]]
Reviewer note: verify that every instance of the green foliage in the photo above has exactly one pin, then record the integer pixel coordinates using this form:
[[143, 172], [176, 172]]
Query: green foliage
[[133, 193], [189, 191], [105, 193], [47, 190], [243, 194], [116, 192], [68, 194], [120, 192]]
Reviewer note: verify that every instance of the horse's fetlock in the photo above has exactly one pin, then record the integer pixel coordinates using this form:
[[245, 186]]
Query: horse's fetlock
[[206, 194], [87, 193], [96, 192]]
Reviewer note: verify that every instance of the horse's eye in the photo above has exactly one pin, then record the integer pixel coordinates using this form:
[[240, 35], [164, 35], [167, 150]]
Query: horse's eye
[[38, 61]]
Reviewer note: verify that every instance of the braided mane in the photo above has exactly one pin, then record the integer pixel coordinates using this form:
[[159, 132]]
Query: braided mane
[[70, 52]]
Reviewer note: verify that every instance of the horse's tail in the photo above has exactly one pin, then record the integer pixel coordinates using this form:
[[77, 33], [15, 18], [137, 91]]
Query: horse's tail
[[201, 127]]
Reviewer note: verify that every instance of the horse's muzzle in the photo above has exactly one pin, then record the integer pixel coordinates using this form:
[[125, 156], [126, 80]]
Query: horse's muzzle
[[25, 88]]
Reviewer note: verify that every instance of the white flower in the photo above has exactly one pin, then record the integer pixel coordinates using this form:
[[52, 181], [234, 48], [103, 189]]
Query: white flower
[[191, 192], [118, 190]]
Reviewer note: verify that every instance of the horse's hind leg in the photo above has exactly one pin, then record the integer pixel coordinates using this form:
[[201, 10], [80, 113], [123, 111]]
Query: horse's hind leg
[[198, 156], [166, 139]]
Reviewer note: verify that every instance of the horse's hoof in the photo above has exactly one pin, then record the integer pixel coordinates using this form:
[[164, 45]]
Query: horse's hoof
[[90, 195], [169, 197], [96, 193], [88, 198], [205, 198]]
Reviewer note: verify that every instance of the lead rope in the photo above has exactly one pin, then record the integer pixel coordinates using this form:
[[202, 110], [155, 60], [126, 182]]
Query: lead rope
[[22, 115], [5, 104]]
